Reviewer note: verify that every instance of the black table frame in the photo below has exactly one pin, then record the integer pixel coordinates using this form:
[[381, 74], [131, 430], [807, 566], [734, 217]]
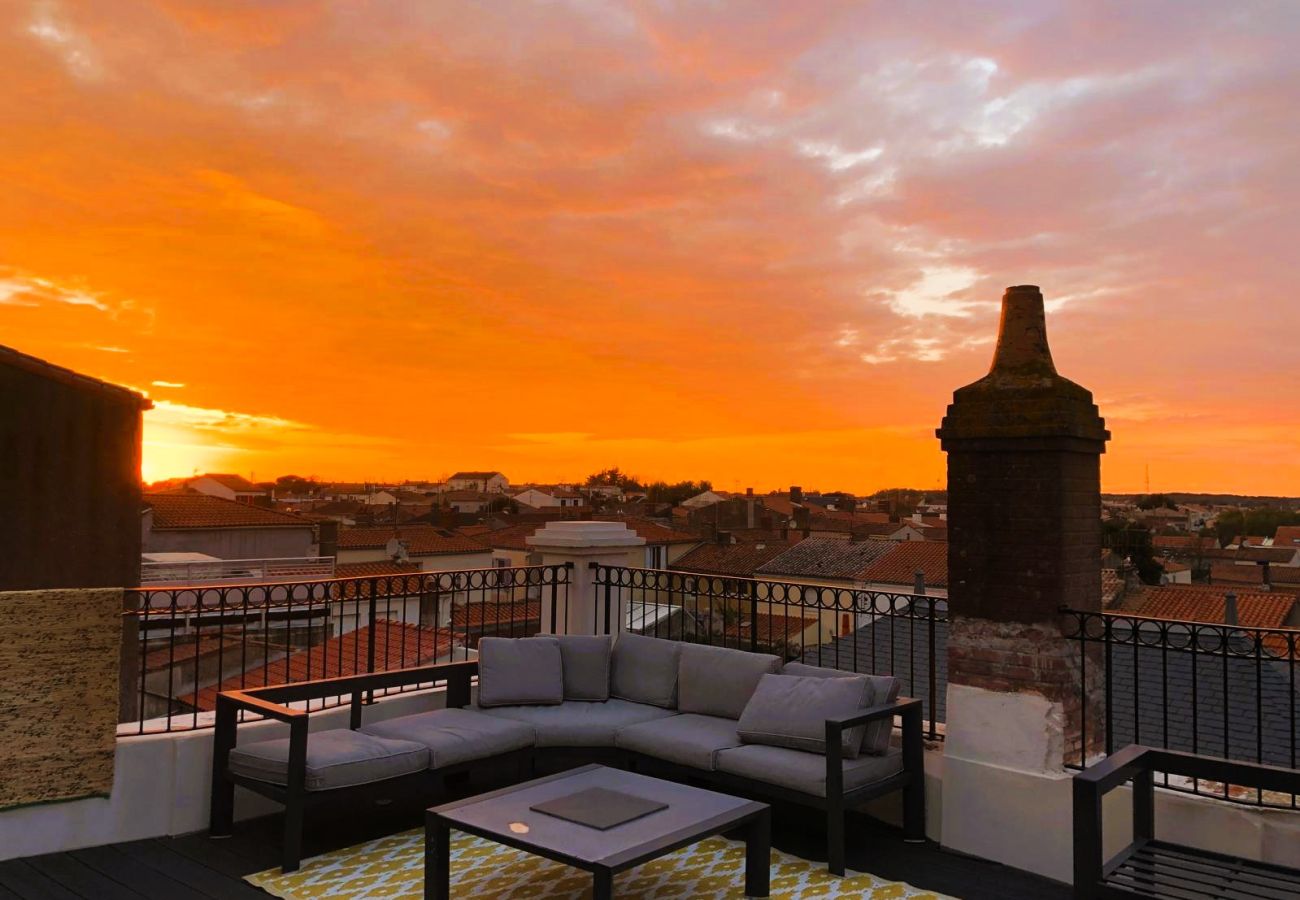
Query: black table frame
[[755, 819]]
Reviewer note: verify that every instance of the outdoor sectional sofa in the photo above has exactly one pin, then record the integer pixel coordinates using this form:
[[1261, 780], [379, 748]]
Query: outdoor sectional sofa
[[736, 720]]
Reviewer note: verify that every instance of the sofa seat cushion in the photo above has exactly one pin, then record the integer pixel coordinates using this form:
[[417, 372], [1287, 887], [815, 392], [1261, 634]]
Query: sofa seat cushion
[[688, 739], [805, 771], [453, 736], [802, 771], [718, 681], [335, 759], [577, 723]]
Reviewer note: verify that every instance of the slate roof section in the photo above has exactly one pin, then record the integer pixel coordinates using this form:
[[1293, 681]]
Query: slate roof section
[[739, 560], [192, 510], [1152, 689], [39, 367], [1154, 702], [826, 558], [899, 646]]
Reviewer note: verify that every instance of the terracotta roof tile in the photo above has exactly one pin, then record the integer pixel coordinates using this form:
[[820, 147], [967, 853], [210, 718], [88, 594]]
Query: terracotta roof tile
[[236, 483], [398, 645], [772, 629], [1199, 603], [489, 615], [900, 565], [739, 560], [380, 567], [1287, 536], [193, 510], [421, 540]]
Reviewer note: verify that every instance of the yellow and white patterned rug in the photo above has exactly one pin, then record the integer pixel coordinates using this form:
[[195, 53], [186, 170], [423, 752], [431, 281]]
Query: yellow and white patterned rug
[[392, 868]]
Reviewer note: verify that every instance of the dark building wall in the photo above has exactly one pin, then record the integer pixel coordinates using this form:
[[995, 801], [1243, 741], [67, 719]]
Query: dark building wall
[[69, 478]]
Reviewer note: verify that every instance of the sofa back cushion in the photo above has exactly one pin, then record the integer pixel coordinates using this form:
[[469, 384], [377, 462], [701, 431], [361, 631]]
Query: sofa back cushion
[[520, 671], [718, 681], [644, 670], [881, 689], [791, 711], [586, 660]]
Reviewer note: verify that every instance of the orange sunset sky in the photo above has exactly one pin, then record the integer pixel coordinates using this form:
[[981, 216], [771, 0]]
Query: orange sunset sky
[[759, 243]]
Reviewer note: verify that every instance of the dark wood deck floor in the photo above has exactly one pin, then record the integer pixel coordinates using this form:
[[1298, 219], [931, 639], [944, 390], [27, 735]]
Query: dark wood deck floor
[[196, 867]]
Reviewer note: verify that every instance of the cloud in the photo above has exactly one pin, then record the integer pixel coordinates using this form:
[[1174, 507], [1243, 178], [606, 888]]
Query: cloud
[[19, 289], [453, 228]]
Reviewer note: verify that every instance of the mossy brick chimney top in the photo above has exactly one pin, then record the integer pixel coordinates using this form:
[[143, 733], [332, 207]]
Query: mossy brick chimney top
[[1023, 396]]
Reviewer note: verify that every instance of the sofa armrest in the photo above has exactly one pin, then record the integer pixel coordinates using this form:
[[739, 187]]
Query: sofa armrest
[[913, 749]]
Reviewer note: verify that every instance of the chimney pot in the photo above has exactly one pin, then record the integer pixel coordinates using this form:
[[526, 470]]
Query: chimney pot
[[1230, 608], [1022, 334]]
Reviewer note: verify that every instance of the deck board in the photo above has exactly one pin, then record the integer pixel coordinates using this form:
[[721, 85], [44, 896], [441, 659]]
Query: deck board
[[196, 867]]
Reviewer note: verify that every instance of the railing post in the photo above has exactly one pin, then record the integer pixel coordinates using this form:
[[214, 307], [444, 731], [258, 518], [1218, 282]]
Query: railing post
[[750, 588]]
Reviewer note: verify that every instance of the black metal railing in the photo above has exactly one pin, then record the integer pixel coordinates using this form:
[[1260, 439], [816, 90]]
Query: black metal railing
[[871, 632], [182, 645], [1204, 688]]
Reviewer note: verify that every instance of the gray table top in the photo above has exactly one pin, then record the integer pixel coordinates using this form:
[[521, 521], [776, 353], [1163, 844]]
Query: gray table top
[[506, 813]]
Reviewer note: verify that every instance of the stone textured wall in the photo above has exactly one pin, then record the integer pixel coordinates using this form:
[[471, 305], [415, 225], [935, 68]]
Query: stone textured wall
[[59, 652]]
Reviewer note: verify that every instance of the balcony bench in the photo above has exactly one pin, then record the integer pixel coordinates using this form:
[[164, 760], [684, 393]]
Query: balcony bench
[[1149, 867]]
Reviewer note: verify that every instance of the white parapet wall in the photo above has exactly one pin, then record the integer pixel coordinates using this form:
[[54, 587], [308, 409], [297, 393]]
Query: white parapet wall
[[161, 785], [1006, 796]]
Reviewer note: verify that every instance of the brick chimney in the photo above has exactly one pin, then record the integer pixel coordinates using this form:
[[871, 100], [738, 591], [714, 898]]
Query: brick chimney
[[1024, 449]]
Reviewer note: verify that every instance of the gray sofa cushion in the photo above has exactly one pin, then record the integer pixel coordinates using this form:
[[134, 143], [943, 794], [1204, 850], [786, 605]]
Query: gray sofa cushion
[[644, 670], [687, 739], [791, 711], [576, 723], [884, 689], [453, 736], [802, 771], [514, 671], [335, 759], [718, 681], [585, 659]]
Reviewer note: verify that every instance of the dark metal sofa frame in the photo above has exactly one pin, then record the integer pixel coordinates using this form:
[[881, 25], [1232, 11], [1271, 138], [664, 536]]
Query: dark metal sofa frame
[[270, 703], [1149, 867]]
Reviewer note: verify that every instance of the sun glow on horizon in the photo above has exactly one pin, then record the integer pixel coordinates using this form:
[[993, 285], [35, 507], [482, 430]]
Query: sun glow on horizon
[[394, 240]]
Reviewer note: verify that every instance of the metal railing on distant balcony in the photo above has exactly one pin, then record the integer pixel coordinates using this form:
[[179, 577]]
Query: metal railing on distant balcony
[[869, 632], [184, 644], [236, 570], [1213, 689]]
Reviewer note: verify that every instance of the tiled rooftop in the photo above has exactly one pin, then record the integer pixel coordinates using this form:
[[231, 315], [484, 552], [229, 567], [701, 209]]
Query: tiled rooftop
[[192, 510], [900, 565], [1197, 603], [740, 560], [397, 645], [827, 558], [421, 540]]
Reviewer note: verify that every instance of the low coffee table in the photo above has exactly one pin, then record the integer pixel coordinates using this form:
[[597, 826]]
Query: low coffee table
[[506, 816]]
